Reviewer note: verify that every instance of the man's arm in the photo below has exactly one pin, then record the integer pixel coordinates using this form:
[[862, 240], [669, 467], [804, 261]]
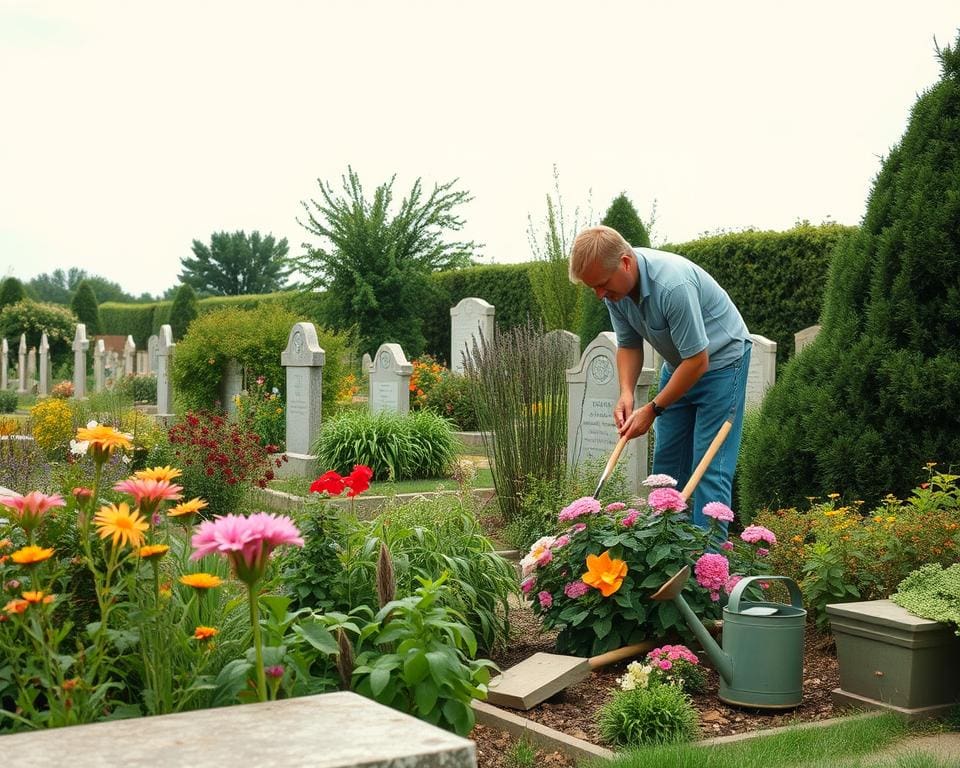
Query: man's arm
[[684, 377], [629, 366]]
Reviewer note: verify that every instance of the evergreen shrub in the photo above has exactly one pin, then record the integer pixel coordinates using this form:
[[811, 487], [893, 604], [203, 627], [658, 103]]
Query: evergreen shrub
[[85, 307], [8, 401], [877, 393], [11, 292], [183, 311]]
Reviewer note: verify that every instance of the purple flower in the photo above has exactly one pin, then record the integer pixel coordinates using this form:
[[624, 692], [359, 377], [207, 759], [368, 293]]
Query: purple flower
[[754, 533], [587, 505], [576, 589], [718, 511], [666, 499], [545, 598]]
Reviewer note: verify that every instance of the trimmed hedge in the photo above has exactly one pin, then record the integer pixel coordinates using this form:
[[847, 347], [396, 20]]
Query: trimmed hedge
[[775, 278]]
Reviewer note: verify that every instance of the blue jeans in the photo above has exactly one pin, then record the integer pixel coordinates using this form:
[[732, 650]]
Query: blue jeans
[[688, 426]]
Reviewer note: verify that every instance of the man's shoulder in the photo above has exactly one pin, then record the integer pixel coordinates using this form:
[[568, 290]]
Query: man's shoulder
[[666, 270]]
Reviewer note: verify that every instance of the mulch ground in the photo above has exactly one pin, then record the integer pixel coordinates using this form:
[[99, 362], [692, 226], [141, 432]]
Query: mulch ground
[[574, 710]]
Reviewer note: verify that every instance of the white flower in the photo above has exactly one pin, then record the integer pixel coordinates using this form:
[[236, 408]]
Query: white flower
[[638, 676], [79, 448], [91, 424], [125, 459]]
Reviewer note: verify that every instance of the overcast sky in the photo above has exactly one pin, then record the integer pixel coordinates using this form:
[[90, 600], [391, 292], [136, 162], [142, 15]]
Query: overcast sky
[[128, 129]]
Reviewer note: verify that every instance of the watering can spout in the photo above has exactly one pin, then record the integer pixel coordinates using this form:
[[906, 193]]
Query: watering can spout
[[671, 590]]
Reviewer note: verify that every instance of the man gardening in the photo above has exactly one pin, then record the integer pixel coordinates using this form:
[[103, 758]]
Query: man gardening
[[691, 321]]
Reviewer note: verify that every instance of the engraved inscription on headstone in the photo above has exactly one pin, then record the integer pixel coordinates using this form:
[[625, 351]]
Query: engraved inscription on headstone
[[390, 380]]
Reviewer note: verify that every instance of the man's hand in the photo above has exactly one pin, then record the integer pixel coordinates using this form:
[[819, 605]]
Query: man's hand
[[638, 423], [622, 411]]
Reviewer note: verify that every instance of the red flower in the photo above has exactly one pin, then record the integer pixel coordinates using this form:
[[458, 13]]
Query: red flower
[[329, 482], [358, 481]]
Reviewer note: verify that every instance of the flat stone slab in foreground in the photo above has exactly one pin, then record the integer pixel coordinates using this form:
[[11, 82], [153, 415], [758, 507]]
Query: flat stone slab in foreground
[[326, 731]]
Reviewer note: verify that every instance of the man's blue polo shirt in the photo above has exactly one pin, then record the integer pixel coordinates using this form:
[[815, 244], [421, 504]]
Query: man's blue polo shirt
[[681, 311]]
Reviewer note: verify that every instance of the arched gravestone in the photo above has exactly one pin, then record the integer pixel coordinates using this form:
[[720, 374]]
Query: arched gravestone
[[99, 365], [593, 388], [570, 342], [802, 338], [80, 346], [153, 347], [303, 359], [470, 319], [129, 353], [390, 380], [763, 369]]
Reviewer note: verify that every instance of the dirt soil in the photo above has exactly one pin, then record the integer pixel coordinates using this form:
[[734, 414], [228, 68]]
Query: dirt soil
[[574, 710]]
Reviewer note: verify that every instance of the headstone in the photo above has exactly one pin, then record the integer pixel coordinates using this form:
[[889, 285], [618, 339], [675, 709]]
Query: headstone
[[99, 365], [390, 380], [80, 346], [469, 320], [113, 368], [804, 337], [165, 348], [570, 343], [231, 385], [153, 349], [365, 362], [22, 365], [43, 385], [143, 361], [593, 389], [129, 353], [303, 358], [4, 371], [763, 369], [32, 369]]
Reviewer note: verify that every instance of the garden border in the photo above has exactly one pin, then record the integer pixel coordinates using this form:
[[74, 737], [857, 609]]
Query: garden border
[[365, 506]]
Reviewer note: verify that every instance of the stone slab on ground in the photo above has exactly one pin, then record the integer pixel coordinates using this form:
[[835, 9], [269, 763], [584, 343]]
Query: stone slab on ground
[[326, 731], [536, 679], [845, 700]]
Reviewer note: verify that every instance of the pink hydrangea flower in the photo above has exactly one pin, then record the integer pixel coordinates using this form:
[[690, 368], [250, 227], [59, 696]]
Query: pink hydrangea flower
[[673, 653], [712, 571], [659, 481], [587, 505], [718, 511], [247, 542], [754, 533], [561, 542], [526, 586], [731, 583], [577, 527], [665, 664], [576, 589], [727, 546], [631, 517], [545, 598], [666, 499], [615, 506], [762, 552]]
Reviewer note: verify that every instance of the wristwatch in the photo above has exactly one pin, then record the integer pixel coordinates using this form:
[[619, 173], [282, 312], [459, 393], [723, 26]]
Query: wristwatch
[[657, 410]]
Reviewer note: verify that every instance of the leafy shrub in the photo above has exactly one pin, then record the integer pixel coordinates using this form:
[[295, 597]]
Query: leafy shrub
[[260, 410], [34, 319], [147, 436], [418, 445], [254, 338], [220, 460], [183, 311], [423, 664], [677, 665], [660, 714], [594, 578], [52, 425], [139, 387], [85, 307], [8, 401], [436, 388], [932, 592], [11, 292], [62, 390]]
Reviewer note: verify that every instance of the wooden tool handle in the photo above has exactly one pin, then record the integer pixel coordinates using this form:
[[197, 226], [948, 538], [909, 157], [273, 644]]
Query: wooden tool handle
[[620, 654], [611, 463], [698, 473]]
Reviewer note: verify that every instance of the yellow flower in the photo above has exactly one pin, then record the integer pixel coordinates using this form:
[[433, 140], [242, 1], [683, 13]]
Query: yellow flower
[[124, 526], [34, 597], [201, 580], [153, 551], [103, 440], [833, 495], [31, 555], [158, 473], [605, 573], [186, 508], [8, 427], [205, 633]]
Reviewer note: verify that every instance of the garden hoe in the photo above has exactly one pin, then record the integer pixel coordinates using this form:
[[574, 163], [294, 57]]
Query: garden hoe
[[539, 677]]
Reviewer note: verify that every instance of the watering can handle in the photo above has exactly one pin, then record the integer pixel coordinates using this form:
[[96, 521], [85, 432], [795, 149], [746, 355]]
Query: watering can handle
[[733, 604]]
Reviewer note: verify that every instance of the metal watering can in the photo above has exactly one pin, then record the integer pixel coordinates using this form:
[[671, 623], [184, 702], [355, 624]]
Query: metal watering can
[[761, 661]]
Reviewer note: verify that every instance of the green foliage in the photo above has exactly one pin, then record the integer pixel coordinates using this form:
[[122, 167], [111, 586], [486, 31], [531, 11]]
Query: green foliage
[[374, 263], [878, 392], [559, 299], [422, 661], [11, 292], [660, 714], [8, 401], [261, 411], [34, 319], [58, 287], [623, 217], [85, 307], [506, 286], [183, 311], [236, 263], [932, 592], [519, 388], [138, 387], [448, 394], [418, 445]]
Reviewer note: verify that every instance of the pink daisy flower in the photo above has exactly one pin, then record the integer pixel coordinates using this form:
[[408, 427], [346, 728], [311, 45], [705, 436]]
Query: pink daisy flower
[[247, 542]]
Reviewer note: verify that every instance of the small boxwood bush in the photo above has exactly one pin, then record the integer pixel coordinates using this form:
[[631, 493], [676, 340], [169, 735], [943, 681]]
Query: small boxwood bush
[[8, 401], [412, 447], [139, 387], [661, 714]]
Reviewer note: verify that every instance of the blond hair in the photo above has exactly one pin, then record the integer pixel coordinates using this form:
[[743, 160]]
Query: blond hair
[[596, 244]]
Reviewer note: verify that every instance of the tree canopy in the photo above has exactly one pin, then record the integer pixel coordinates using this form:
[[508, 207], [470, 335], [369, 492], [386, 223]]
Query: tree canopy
[[236, 264], [58, 287], [372, 260], [86, 308]]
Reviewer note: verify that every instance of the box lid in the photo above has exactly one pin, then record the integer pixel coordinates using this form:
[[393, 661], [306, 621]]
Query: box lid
[[884, 613]]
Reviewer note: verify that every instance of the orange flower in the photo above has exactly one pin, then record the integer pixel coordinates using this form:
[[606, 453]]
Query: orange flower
[[153, 551], [16, 606], [187, 509], [158, 473], [201, 580], [605, 573], [37, 597], [103, 440], [205, 633], [31, 555], [124, 526]]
